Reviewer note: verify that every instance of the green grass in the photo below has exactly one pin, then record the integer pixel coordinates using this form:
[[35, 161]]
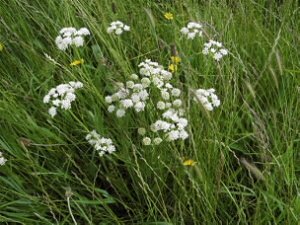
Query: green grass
[[247, 151]]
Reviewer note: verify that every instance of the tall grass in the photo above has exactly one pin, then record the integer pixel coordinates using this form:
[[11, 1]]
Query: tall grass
[[247, 151]]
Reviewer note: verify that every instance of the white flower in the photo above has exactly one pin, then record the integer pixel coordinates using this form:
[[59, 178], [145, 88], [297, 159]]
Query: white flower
[[141, 131], [56, 102], [145, 82], [134, 77], [46, 99], [168, 104], [111, 108], [184, 30], [101, 144], [118, 31], [110, 29], [157, 141], [126, 28], [130, 84], [83, 31], [120, 113], [127, 103], [165, 95], [161, 105], [191, 35], [62, 95], [207, 98], [173, 135], [215, 49], [67, 41], [70, 96], [78, 41], [183, 134], [66, 104], [108, 99], [135, 97], [143, 95], [115, 97], [168, 85], [2, 159], [175, 92], [192, 30], [52, 111], [139, 106], [117, 27], [70, 36], [160, 125], [146, 141], [177, 103]]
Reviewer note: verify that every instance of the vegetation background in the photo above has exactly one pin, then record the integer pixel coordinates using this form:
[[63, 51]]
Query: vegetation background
[[247, 151]]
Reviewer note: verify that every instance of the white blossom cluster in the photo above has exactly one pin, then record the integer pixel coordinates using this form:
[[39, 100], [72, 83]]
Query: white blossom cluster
[[61, 96], [173, 122], [135, 93], [192, 30], [131, 95], [70, 36], [101, 144], [207, 98], [2, 159], [215, 49], [117, 27], [155, 72]]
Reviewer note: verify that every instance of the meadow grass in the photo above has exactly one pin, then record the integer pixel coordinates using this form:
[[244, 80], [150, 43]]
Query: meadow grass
[[247, 150]]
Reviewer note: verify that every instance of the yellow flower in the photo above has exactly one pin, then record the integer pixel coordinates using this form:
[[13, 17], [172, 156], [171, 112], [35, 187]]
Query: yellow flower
[[173, 67], [189, 162], [168, 16], [1, 47], [77, 62], [175, 59]]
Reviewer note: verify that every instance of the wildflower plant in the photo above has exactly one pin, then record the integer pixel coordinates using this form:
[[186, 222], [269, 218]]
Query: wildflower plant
[[189, 162], [77, 62], [101, 144], [175, 60], [134, 94], [169, 16], [70, 36], [61, 96], [117, 27]]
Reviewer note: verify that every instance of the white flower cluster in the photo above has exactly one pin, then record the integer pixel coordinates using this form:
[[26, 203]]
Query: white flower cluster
[[70, 36], [61, 96], [192, 30], [155, 72], [173, 122], [117, 27], [101, 144], [131, 95], [214, 48], [2, 160], [135, 92], [207, 98]]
